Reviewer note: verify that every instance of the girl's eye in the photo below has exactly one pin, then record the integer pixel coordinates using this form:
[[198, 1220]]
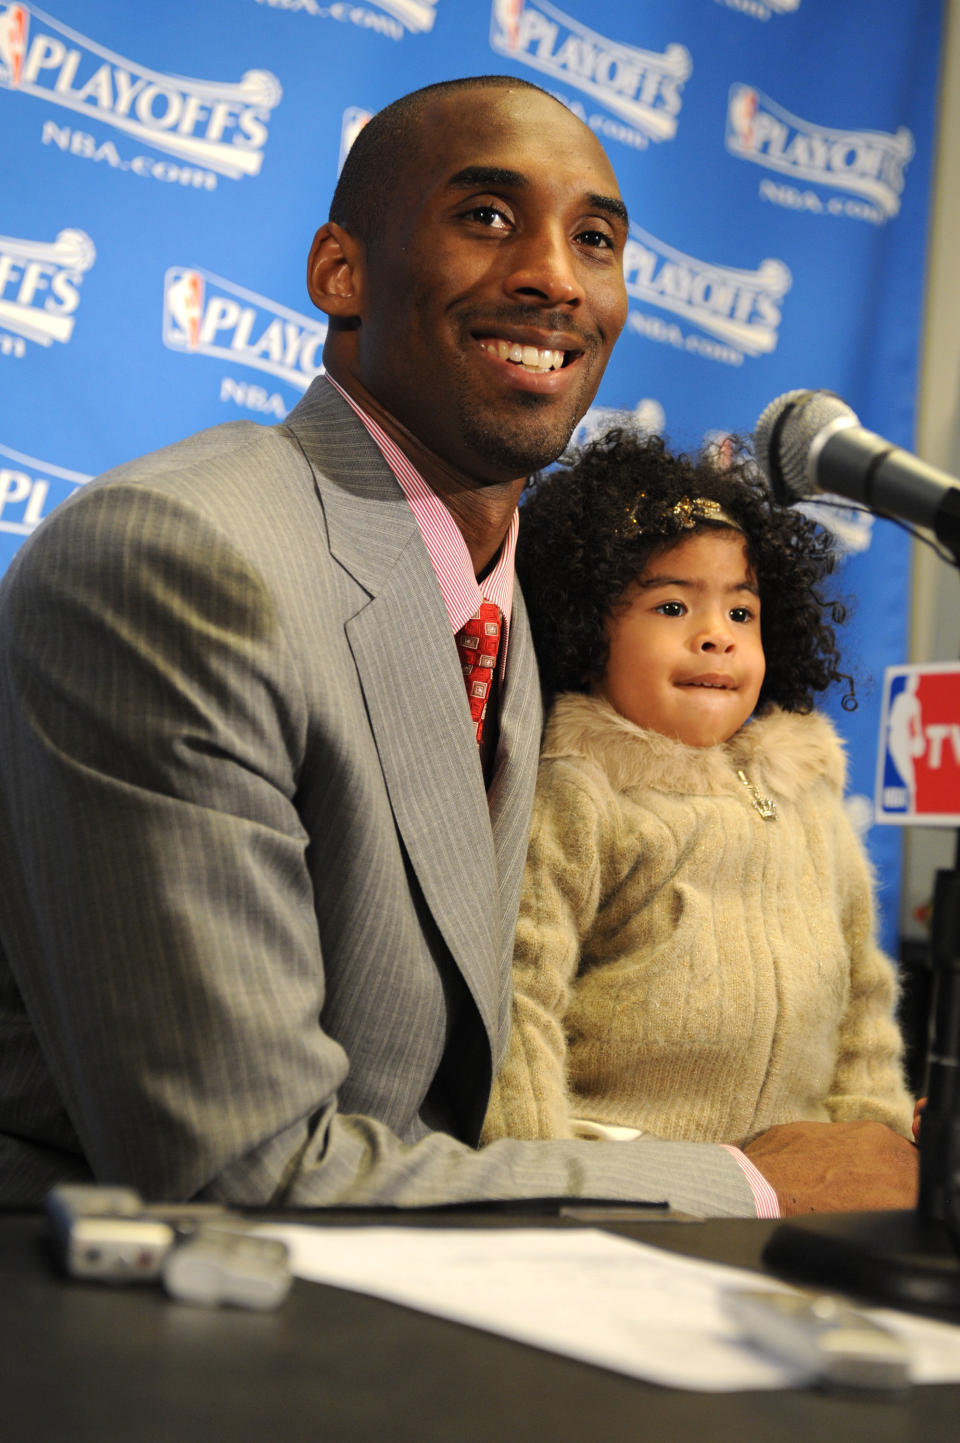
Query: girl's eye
[[741, 614], [671, 608]]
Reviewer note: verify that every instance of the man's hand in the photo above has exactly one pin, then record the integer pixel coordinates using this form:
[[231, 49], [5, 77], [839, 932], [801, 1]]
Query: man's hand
[[821, 1167]]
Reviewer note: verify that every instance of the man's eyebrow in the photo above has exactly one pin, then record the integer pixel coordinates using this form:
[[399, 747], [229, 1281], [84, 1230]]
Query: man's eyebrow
[[612, 204], [492, 177], [485, 177]]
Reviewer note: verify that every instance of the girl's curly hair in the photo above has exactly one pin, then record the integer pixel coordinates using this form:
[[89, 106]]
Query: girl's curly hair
[[578, 553]]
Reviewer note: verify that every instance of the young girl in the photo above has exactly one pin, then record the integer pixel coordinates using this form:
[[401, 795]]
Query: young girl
[[695, 953]]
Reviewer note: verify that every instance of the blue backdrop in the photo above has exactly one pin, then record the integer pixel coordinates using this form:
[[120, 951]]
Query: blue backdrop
[[166, 167]]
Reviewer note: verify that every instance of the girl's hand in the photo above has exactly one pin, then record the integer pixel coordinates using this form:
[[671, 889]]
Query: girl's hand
[[917, 1114]]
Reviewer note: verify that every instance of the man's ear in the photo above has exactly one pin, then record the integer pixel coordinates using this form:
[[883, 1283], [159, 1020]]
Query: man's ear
[[335, 271]]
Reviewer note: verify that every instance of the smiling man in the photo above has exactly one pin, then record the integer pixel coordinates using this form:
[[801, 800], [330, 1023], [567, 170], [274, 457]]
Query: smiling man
[[269, 722], [475, 304]]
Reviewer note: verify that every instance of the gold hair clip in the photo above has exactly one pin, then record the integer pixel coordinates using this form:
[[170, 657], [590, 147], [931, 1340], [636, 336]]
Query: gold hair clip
[[683, 516]]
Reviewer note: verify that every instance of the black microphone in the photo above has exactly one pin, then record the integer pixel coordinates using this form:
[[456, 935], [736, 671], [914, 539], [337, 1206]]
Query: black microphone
[[811, 442]]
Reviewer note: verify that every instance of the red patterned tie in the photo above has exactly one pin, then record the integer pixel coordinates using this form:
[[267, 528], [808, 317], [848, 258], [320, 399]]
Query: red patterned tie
[[477, 645]]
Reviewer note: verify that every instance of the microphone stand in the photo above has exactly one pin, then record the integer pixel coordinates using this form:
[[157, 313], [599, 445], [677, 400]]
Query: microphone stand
[[939, 1201], [905, 1259]]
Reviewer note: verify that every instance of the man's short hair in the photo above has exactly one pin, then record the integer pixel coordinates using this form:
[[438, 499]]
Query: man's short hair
[[384, 148]]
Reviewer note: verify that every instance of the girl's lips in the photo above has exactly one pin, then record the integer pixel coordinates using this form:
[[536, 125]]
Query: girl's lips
[[712, 682]]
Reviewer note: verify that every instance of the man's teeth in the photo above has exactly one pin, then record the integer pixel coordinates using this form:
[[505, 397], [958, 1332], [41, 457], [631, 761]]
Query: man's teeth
[[532, 358]]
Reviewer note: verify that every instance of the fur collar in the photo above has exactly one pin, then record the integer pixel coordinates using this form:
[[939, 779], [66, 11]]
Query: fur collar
[[784, 753]]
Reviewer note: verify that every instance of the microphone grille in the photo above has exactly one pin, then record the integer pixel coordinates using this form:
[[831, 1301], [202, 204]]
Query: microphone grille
[[784, 434]]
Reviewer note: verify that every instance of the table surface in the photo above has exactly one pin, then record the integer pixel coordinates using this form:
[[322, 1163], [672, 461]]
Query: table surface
[[85, 1363]]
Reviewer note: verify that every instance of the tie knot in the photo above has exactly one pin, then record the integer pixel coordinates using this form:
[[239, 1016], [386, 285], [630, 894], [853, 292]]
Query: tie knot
[[478, 643], [484, 623]]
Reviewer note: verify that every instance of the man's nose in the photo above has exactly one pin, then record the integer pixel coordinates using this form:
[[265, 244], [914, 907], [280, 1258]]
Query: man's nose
[[544, 268]]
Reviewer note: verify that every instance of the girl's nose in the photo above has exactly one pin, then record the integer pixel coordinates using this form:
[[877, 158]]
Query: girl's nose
[[716, 637]]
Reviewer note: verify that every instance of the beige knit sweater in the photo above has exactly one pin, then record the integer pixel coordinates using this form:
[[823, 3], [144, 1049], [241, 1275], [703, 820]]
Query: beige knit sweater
[[682, 965]]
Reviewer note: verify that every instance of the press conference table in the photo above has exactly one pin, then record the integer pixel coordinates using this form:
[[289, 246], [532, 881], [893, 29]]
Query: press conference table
[[84, 1363]]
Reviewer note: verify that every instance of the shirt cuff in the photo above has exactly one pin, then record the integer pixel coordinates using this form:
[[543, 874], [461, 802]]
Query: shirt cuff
[[764, 1198]]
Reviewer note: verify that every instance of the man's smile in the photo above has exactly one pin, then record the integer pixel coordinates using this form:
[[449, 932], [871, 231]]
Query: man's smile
[[532, 358]]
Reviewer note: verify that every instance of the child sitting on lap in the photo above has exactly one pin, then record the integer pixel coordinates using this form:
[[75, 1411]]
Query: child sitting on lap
[[695, 953]]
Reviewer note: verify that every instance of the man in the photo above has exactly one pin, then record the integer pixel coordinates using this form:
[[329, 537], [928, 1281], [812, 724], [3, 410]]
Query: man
[[261, 859]]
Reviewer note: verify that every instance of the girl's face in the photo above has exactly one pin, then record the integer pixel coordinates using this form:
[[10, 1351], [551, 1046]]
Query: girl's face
[[686, 658]]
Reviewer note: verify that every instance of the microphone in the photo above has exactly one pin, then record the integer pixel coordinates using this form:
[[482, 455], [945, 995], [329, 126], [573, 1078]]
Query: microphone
[[811, 442]]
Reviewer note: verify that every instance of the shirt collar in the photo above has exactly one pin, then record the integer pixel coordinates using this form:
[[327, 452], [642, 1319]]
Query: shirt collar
[[462, 593]]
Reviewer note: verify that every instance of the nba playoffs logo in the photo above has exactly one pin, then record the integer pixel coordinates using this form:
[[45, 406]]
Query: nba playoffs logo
[[416, 16], [640, 86], [208, 316], [850, 526], [762, 9], [29, 489], [352, 122], [741, 308], [39, 288], [868, 164], [647, 418], [221, 126], [918, 763]]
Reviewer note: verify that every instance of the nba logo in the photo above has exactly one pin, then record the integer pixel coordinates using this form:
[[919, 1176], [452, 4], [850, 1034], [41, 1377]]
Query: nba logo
[[507, 14], [13, 41], [742, 116], [918, 761], [183, 308]]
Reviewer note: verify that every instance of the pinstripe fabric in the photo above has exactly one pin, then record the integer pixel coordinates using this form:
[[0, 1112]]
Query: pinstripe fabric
[[234, 962]]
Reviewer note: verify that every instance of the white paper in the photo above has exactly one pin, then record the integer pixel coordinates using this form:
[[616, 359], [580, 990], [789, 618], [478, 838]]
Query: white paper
[[601, 1298]]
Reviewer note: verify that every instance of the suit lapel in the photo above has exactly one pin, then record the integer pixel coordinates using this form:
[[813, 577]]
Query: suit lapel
[[431, 767], [412, 683], [512, 786]]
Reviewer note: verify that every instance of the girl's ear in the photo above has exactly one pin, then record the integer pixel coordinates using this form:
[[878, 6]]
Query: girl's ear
[[335, 271]]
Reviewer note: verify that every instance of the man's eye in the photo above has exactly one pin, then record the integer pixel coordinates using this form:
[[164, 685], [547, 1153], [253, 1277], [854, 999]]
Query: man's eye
[[490, 215], [596, 238]]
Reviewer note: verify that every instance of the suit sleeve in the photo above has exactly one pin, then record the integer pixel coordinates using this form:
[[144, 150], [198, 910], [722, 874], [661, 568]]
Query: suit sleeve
[[868, 1081], [561, 894], [160, 924]]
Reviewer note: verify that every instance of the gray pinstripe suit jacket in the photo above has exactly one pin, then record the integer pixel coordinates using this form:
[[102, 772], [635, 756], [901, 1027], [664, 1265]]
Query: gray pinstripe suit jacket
[[243, 834]]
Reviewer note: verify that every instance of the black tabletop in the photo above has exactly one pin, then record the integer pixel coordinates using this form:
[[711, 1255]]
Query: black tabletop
[[86, 1363]]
